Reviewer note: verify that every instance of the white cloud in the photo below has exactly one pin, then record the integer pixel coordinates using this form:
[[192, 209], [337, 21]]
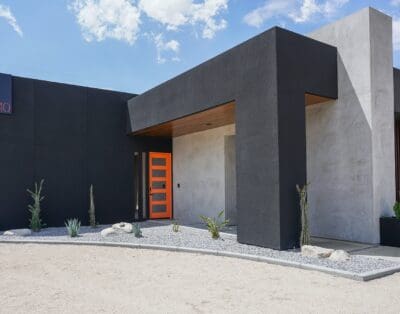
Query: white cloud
[[297, 11], [170, 13], [396, 34], [395, 2], [177, 13], [307, 9], [121, 20], [165, 46], [272, 8], [5, 12], [101, 19]]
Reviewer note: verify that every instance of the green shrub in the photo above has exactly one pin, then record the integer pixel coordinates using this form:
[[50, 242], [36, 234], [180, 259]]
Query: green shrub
[[35, 222], [214, 225], [136, 230], [175, 227], [396, 209], [305, 233], [73, 226], [92, 214]]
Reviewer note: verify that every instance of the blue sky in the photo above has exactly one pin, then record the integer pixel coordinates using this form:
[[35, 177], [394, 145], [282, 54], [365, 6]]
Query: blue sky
[[134, 45]]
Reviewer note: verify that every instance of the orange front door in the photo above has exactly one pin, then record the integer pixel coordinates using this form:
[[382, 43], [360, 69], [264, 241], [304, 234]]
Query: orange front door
[[160, 185]]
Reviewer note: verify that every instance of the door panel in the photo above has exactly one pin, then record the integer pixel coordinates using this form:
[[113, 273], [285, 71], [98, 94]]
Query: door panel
[[160, 182]]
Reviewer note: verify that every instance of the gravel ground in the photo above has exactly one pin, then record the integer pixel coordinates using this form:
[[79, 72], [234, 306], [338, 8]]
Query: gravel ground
[[189, 237], [59, 279]]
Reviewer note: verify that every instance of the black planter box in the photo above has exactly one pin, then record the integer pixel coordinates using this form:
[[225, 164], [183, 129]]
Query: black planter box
[[390, 231]]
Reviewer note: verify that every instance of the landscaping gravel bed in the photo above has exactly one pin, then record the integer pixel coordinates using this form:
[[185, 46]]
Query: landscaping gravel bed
[[190, 237]]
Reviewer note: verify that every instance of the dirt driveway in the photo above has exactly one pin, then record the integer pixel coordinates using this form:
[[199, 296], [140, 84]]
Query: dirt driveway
[[82, 279]]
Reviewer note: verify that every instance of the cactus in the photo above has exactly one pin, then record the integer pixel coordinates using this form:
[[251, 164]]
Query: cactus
[[136, 230], [92, 214], [305, 234], [35, 222]]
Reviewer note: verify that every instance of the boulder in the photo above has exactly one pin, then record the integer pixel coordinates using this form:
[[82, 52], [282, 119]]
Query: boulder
[[339, 256], [123, 226], [18, 232], [315, 251], [108, 232]]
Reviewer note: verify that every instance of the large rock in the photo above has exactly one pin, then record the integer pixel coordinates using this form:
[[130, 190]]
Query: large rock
[[123, 226], [315, 251], [18, 232], [339, 256], [108, 232]]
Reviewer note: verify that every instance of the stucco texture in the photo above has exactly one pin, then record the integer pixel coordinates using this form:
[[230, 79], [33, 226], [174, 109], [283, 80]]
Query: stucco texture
[[199, 169], [350, 141]]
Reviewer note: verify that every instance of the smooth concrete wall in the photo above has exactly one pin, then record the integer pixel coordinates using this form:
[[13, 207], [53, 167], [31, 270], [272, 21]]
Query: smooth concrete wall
[[350, 142], [199, 169]]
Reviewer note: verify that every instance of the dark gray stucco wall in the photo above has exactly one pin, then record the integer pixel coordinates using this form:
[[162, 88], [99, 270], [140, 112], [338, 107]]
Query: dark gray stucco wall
[[396, 76], [303, 66], [72, 137], [267, 77]]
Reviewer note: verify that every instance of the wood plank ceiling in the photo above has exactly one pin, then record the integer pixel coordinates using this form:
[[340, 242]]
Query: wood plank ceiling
[[208, 119], [204, 120]]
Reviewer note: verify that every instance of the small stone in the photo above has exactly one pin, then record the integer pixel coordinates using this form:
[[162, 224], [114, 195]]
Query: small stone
[[108, 232], [123, 226], [315, 251], [18, 232], [339, 256]]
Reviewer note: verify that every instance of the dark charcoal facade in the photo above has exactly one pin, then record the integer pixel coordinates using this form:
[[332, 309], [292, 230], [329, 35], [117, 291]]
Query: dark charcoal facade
[[71, 137], [269, 76]]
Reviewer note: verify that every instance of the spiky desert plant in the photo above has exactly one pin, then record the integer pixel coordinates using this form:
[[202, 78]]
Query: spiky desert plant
[[92, 213], [35, 222], [73, 226], [136, 230], [175, 226], [214, 225], [396, 209], [305, 233]]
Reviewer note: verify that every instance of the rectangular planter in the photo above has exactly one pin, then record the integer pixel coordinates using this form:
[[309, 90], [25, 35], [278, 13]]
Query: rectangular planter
[[390, 231]]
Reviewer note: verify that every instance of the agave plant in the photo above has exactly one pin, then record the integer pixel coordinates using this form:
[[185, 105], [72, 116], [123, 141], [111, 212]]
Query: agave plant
[[214, 225], [73, 226], [396, 209], [175, 226]]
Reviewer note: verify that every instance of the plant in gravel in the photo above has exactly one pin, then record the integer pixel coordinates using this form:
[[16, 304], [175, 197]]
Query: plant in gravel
[[92, 214], [175, 226], [35, 222], [396, 209], [305, 233], [214, 225], [136, 230], [73, 226]]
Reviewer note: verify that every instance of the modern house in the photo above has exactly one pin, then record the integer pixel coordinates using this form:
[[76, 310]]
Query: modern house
[[237, 132]]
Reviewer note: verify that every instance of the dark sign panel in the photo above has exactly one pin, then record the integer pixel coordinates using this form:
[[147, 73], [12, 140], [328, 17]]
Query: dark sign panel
[[5, 94]]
